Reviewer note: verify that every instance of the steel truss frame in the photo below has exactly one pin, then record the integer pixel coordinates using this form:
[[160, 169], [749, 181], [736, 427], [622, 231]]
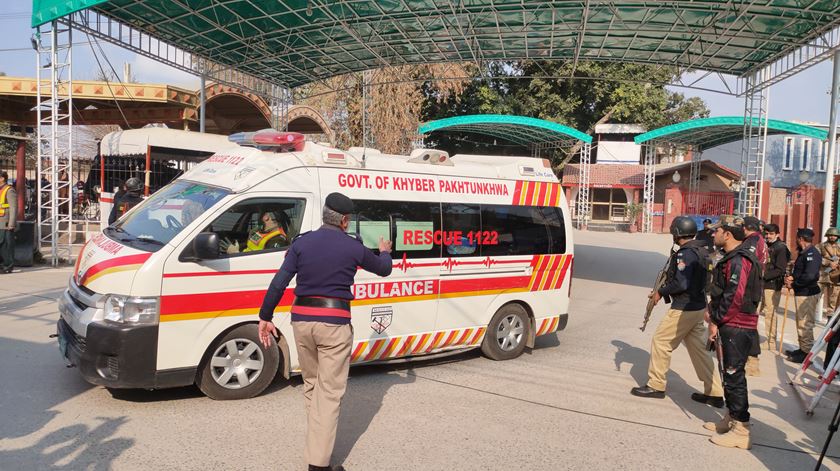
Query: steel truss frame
[[753, 149], [694, 178], [55, 230], [583, 207], [649, 185], [103, 27]]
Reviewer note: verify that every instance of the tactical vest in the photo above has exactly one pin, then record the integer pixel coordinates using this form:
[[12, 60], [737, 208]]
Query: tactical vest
[[257, 240], [4, 205]]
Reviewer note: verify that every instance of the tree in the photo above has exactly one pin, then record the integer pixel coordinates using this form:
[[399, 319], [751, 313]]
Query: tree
[[600, 92]]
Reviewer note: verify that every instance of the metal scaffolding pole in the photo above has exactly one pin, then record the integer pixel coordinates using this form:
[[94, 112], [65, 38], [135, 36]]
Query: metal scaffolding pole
[[583, 208], [828, 202], [650, 173], [202, 105], [55, 230], [753, 148]]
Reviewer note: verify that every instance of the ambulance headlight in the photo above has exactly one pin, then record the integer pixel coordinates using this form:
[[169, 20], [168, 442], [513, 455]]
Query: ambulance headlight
[[131, 310]]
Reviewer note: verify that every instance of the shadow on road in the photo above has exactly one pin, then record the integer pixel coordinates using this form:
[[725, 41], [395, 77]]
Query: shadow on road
[[678, 390], [35, 381], [72, 447], [619, 266], [362, 402]]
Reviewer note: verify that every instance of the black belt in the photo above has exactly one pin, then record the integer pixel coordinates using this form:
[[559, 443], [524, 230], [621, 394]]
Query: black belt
[[332, 303]]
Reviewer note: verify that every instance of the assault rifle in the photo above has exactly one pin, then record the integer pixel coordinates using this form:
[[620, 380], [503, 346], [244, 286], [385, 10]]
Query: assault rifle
[[660, 282]]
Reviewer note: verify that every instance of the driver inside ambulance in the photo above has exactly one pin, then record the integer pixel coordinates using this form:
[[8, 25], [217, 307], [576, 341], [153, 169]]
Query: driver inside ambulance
[[270, 236]]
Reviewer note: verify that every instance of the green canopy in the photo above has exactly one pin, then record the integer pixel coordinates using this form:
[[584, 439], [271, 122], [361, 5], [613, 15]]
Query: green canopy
[[519, 129], [705, 133], [294, 42]]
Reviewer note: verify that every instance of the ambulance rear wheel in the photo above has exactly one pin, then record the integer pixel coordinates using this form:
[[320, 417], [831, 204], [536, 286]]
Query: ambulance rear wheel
[[507, 333], [238, 366]]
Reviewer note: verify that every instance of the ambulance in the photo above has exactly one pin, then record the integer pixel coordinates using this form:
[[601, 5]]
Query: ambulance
[[169, 294]]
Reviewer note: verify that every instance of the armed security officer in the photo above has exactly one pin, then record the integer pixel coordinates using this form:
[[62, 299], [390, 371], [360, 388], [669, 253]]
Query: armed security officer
[[8, 223], [806, 274], [128, 200], [774, 274], [685, 285], [325, 262], [754, 242], [830, 252], [735, 294]]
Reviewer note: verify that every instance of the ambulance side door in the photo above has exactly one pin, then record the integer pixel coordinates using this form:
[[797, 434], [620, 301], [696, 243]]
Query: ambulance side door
[[394, 316], [201, 298]]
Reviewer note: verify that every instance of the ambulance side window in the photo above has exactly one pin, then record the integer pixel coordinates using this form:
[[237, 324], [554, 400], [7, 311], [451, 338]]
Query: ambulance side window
[[513, 230], [556, 228], [258, 225], [410, 226], [460, 224]]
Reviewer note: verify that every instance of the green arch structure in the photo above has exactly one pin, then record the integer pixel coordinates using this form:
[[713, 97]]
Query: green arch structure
[[705, 133], [519, 129]]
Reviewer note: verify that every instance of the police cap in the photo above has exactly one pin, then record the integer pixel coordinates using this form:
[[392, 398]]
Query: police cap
[[339, 203], [805, 232]]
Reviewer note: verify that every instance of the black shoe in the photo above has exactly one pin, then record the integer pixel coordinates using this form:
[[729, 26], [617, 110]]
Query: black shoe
[[337, 467], [797, 357], [794, 352], [714, 401], [647, 391]]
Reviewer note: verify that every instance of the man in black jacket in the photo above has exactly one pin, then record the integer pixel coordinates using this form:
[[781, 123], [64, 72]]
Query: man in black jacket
[[706, 235], [806, 290], [130, 199], [774, 274], [685, 285]]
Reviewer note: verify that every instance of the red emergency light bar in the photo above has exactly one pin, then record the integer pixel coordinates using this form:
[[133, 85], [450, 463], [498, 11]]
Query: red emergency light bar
[[269, 139]]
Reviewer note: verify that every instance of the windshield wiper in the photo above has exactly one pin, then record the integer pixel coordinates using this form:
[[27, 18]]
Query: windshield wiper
[[150, 240]]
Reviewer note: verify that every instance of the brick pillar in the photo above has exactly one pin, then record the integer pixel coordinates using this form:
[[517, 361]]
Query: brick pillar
[[764, 208], [673, 204]]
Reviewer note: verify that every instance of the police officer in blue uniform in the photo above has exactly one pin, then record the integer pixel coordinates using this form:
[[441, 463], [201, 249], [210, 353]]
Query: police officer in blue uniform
[[325, 262], [685, 289], [806, 290]]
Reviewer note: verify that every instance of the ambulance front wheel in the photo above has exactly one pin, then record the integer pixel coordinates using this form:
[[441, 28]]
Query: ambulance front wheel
[[237, 365], [507, 333]]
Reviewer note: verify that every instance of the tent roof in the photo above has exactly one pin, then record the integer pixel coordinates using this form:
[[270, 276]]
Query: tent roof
[[711, 132], [294, 42], [519, 129]]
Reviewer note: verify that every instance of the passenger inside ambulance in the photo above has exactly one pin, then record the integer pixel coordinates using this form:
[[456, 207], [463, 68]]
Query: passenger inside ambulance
[[258, 225], [271, 234]]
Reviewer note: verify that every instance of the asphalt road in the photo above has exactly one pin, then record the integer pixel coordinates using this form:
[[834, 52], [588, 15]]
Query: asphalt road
[[564, 405]]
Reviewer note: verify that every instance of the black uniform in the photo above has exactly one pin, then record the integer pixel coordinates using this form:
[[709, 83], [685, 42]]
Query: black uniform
[[806, 272], [774, 269], [707, 238], [686, 280], [123, 203]]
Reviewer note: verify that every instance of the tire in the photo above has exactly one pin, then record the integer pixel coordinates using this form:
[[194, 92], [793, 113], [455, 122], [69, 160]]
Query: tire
[[507, 333], [224, 375]]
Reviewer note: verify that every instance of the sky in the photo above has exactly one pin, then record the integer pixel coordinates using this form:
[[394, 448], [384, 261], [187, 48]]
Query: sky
[[803, 97]]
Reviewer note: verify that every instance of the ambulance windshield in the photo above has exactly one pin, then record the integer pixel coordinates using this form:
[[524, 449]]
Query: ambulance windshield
[[157, 220]]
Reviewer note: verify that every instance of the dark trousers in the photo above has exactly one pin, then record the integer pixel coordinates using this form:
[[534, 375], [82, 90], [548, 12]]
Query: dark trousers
[[7, 249], [737, 345]]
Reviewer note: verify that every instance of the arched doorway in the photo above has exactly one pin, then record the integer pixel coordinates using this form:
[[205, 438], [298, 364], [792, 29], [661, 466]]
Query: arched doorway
[[229, 111]]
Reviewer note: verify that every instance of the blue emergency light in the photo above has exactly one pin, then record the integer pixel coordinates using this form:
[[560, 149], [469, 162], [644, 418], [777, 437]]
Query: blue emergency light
[[269, 139]]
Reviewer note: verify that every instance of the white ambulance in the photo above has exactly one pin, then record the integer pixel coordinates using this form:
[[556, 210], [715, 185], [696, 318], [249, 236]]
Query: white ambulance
[[169, 294]]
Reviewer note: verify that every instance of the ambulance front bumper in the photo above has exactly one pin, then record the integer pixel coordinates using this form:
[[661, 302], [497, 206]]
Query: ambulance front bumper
[[112, 354]]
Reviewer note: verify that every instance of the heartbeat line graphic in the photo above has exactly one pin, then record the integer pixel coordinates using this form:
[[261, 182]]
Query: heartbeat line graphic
[[450, 263]]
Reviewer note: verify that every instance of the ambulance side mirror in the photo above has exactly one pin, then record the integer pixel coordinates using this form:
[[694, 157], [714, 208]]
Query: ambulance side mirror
[[206, 246]]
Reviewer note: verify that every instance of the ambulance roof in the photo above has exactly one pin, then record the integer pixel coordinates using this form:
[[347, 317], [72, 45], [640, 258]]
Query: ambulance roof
[[240, 168]]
